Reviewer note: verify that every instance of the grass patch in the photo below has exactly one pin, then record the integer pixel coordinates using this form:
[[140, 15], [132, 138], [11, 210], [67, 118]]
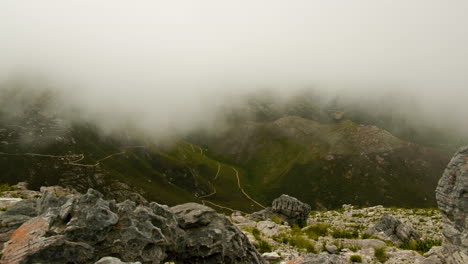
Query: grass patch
[[263, 246], [303, 243], [276, 219], [381, 254], [421, 246], [6, 188], [345, 234], [355, 259], [316, 230]]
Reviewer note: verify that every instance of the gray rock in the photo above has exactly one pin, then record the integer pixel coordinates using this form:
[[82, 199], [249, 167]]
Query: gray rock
[[14, 217], [324, 258], [390, 228], [112, 260], [83, 229], [271, 256], [268, 228], [262, 215], [295, 211], [452, 199], [211, 238], [332, 249]]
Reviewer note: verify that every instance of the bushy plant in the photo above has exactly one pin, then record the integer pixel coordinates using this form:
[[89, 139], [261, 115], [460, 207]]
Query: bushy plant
[[345, 234], [276, 219], [263, 246], [381, 254], [317, 230], [356, 258], [421, 246], [302, 243]]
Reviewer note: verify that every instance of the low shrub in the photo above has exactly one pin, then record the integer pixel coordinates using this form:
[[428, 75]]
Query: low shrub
[[263, 246], [381, 254], [356, 258], [317, 230], [421, 246], [302, 243], [345, 234]]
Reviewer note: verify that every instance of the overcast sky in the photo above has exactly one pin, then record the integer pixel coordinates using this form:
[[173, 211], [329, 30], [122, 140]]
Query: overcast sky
[[173, 63]]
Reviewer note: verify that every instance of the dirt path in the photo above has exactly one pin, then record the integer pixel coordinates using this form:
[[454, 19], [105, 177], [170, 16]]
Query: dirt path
[[242, 190]]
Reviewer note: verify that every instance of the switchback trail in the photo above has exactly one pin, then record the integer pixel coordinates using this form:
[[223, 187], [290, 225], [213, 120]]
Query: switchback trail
[[242, 190]]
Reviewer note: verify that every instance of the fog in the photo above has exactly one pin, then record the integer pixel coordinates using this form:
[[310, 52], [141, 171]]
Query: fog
[[172, 65]]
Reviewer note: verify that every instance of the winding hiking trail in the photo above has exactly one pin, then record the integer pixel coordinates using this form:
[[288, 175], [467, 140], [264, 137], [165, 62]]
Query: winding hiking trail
[[216, 177], [76, 157], [242, 190], [214, 188]]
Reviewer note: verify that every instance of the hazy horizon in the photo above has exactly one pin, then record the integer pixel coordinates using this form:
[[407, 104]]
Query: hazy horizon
[[174, 65]]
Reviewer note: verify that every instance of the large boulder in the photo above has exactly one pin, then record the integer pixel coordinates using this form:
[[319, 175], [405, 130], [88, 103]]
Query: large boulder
[[14, 217], [87, 228], [392, 229], [295, 211], [452, 199], [211, 238]]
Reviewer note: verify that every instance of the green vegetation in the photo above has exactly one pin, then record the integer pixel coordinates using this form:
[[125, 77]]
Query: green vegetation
[[421, 246], [316, 230], [355, 258], [302, 243], [366, 236], [6, 187], [354, 248], [381, 254], [344, 234], [276, 219], [263, 246], [2, 209]]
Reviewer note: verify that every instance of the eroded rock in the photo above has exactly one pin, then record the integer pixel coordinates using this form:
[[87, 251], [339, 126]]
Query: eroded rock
[[452, 199], [211, 238], [392, 229], [295, 211]]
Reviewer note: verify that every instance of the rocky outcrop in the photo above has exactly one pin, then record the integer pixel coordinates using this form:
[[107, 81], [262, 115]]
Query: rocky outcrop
[[452, 199], [287, 208], [14, 217], [392, 229], [86, 228], [294, 210], [211, 238]]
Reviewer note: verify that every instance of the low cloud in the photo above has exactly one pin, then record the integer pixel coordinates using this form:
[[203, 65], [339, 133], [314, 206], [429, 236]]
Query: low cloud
[[171, 66]]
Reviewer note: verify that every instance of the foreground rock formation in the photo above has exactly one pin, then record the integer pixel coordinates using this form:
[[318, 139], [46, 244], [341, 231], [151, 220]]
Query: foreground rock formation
[[86, 228], [452, 198]]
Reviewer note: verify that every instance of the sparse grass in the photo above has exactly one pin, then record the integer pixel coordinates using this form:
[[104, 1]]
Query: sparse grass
[[356, 258], [2, 209], [354, 248], [358, 215], [281, 238], [337, 233], [381, 254], [6, 187], [421, 246], [316, 230], [276, 219], [302, 243], [263, 246], [366, 236]]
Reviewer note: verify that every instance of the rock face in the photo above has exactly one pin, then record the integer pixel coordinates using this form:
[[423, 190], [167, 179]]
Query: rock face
[[86, 228], [390, 228], [14, 217], [452, 199], [294, 210], [210, 238]]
